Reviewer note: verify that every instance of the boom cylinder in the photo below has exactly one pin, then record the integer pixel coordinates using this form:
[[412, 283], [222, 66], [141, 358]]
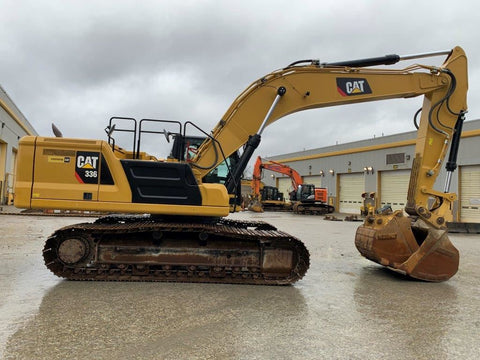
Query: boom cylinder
[[252, 143], [280, 92], [385, 60], [451, 164]]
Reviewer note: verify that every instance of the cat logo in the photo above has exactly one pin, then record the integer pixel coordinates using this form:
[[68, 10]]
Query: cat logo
[[86, 167], [353, 86], [87, 162]]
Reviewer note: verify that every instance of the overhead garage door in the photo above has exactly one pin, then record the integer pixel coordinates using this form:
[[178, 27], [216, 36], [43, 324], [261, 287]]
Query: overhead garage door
[[470, 194], [394, 188], [315, 180], [246, 187], [351, 187], [284, 185]]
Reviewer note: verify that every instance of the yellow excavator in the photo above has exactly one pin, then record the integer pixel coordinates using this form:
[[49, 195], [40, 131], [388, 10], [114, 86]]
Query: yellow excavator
[[171, 223]]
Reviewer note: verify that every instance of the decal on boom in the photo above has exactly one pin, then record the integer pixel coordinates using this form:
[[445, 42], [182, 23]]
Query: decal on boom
[[353, 86]]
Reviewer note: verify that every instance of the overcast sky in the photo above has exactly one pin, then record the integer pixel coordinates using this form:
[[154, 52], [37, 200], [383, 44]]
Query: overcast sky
[[77, 63]]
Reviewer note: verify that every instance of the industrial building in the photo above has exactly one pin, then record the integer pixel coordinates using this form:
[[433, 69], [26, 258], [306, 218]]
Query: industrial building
[[13, 125], [382, 165]]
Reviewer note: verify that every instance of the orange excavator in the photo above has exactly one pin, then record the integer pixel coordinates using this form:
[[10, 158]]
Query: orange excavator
[[309, 199], [261, 198], [185, 235], [304, 198]]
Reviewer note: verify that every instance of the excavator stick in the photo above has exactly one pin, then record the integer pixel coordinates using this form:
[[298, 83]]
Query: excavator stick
[[416, 250]]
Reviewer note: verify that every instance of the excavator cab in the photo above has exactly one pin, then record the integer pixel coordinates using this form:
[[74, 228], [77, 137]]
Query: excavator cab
[[311, 200], [184, 148], [305, 192], [309, 193]]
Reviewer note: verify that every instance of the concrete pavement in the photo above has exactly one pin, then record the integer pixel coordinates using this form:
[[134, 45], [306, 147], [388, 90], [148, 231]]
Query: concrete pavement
[[344, 308]]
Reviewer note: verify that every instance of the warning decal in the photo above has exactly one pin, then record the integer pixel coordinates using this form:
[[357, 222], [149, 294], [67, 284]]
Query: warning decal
[[59, 159]]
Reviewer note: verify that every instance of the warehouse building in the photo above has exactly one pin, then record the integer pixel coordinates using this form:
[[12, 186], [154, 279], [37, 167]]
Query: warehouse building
[[13, 125], [382, 165]]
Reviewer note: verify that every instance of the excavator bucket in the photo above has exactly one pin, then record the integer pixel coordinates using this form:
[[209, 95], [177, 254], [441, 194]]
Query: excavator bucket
[[417, 250], [255, 206]]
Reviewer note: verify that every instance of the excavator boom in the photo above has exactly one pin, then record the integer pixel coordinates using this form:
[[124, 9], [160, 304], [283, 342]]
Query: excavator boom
[[297, 88]]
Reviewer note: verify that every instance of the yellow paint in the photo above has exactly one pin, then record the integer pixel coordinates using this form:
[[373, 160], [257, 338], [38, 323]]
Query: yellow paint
[[56, 187]]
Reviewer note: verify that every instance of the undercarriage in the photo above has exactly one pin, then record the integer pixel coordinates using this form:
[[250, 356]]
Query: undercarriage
[[145, 248], [312, 208]]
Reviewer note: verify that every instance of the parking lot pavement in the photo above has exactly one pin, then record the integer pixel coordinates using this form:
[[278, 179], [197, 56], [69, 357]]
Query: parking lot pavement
[[344, 308]]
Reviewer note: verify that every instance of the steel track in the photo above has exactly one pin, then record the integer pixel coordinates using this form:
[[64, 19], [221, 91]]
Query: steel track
[[137, 248]]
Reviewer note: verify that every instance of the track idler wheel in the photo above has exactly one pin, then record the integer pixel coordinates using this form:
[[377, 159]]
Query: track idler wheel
[[73, 250], [423, 252]]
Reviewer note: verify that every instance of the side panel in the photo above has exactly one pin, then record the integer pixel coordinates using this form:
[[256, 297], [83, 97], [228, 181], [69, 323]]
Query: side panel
[[66, 169], [74, 174], [321, 194], [76, 171], [162, 182], [119, 191], [24, 176]]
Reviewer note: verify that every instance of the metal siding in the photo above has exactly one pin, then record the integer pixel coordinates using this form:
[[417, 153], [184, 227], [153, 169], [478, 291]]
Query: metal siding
[[350, 192], [314, 179], [470, 194], [394, 188]]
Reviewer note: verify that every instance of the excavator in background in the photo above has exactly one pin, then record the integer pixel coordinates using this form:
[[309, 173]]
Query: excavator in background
[[261, 198], [304, 198], [308, 199], [369, 203], [176, 230], [271, 199]]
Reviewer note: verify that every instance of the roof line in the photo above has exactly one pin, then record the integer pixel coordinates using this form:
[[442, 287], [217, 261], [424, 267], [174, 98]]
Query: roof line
[[15, 117], [465, 134]]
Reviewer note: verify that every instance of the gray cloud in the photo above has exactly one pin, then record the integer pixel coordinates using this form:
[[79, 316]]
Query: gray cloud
[[78, 63]]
